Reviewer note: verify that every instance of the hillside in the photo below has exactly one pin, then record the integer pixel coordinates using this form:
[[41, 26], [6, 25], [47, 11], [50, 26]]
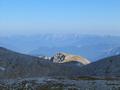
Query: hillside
[[14, 65], [108, 67]]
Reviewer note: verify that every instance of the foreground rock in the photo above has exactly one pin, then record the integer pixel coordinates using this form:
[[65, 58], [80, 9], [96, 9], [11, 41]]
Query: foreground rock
[[59, 84]]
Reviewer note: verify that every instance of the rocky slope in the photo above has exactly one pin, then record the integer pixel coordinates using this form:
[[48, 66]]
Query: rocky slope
[[24, 72], [59, 84], [16, 65], [108, 68], [65, 58]]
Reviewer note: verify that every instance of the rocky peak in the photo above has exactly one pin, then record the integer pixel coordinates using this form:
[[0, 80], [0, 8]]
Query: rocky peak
[[62, 57]]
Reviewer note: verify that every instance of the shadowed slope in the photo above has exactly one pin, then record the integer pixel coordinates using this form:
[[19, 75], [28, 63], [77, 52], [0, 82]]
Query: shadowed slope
[[14, 65], [108, 67]]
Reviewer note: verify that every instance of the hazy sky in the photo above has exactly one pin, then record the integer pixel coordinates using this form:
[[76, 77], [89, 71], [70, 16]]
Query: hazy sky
[[41, 16]]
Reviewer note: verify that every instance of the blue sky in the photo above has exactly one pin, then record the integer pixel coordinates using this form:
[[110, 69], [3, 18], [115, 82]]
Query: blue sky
[[58, 16]]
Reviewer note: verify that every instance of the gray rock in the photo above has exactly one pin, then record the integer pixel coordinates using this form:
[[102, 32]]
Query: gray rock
[[64, 57]]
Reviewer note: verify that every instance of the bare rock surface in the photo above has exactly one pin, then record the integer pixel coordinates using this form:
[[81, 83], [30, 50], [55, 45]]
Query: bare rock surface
[[59, 84], [65, 57]]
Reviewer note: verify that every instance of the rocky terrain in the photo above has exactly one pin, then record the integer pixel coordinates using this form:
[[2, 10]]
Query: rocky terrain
[[59, 84], [107, 68], [60, 72], [64, 58], [14, 65]]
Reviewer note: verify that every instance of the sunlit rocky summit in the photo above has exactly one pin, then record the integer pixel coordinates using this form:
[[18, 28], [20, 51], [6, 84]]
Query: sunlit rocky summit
[[65, 57]]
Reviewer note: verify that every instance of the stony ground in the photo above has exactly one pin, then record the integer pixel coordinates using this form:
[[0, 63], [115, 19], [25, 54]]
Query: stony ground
[[58, 84]]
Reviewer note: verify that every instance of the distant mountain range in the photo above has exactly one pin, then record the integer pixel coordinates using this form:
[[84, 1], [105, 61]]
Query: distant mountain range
[[90, 46], [114, 51]]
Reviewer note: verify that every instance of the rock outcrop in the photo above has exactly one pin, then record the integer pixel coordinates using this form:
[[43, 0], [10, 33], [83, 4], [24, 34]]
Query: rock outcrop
[[65, 58]]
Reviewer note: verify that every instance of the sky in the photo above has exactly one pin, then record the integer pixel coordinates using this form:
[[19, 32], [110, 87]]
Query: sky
[[29, 17]]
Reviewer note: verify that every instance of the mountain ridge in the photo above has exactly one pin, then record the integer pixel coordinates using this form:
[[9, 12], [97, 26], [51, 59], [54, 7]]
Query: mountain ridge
[[108, 67], [92, 47], [63, 57], [16, 65]]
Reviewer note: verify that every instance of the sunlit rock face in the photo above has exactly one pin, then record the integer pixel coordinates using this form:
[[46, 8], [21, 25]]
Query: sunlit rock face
[[64, 58]]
